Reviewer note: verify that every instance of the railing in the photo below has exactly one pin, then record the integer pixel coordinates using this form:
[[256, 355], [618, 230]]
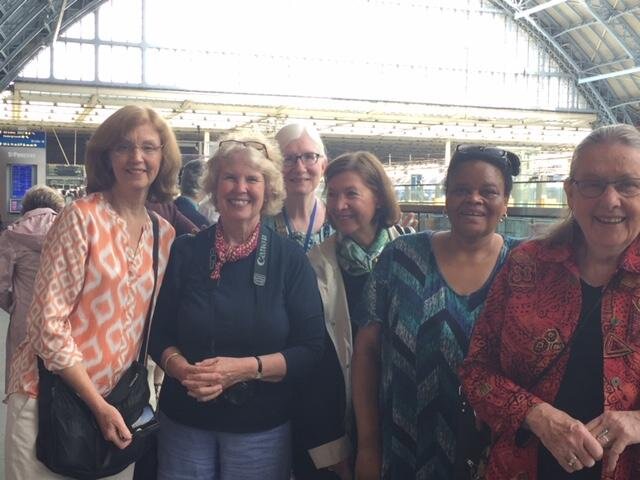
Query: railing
[[534, 194], [533, 206]]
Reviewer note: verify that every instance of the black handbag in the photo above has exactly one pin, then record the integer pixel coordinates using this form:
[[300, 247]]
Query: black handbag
[[69, 440], [473, 442]]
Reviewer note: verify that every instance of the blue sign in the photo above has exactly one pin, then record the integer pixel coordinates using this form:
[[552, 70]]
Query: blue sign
[[15, 138]]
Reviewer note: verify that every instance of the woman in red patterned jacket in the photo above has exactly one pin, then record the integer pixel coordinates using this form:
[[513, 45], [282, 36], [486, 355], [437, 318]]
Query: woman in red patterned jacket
[[554, 361]]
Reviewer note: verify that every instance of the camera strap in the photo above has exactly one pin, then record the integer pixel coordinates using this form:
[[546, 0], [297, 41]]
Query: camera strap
[[261, 260]]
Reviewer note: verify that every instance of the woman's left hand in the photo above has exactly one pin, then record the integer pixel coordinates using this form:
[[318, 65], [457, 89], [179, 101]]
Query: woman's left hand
[[212, 376], [615, 431]]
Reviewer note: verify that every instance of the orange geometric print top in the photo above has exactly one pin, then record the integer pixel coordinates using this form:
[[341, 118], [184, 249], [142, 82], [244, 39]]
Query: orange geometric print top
[[91, 296]]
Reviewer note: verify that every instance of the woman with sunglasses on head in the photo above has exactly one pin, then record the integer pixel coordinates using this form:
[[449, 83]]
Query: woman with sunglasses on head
[[421, 303], [554, 362], [303, 215], [362, 207], [239, 319], [93, 290]]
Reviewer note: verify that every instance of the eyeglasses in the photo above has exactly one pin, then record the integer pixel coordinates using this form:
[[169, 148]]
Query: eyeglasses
[[308, 158], [261, 147], [147, 149], [627, 187]]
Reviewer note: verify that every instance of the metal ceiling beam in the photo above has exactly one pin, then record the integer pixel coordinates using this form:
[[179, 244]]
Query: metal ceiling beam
[[590, 23], [537, 8], [566, 62], [34, 28], [604, 76], [613, 34], [615, 61], [624, 104]]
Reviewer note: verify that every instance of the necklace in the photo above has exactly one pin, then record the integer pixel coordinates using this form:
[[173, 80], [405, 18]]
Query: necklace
[[312, 220]]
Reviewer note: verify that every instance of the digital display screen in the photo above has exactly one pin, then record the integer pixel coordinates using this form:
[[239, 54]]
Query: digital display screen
[[21, 178]]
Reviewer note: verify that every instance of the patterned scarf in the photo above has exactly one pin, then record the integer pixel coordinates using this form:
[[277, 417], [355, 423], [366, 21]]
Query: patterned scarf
[[226, 253], [354, 259]]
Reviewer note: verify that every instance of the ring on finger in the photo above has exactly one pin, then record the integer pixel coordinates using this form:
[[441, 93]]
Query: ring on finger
[[573, 461], [602, 434], [604, 439]]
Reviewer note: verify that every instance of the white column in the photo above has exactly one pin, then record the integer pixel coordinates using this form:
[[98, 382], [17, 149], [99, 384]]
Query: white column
[[205, 144]]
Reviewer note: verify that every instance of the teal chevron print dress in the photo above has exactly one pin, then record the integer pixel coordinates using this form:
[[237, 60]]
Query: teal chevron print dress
[[425, 333]]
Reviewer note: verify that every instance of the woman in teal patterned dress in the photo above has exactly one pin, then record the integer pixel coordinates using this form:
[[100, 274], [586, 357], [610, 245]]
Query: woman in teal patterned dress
[[422, 300]]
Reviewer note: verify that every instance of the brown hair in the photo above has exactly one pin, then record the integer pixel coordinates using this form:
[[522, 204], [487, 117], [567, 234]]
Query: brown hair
[[369, 168], [565, 230], [113, 130], [269, 165], [42, 196]]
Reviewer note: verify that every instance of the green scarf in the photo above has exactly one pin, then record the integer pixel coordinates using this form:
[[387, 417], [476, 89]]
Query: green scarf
[[356, 261]]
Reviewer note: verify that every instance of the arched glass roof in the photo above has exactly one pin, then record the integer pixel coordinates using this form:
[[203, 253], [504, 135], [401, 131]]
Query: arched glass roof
[[533, 72]]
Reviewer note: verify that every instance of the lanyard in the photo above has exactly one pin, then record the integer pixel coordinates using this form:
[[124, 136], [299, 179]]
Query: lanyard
[[312, 220]]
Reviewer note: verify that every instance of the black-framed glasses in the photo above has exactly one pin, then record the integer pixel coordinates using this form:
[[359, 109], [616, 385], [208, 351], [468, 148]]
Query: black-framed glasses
[[627, 187], [261, 147], [127, 148], [308, 158]]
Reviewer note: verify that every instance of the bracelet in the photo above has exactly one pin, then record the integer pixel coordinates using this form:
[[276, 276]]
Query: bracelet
[[259, 372], [168, 359]]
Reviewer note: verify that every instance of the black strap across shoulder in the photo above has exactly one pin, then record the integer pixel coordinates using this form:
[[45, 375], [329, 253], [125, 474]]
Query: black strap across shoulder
[[142, 357]]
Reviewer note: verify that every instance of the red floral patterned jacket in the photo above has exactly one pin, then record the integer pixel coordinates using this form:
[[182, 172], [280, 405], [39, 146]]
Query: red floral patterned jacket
[[532, 309]]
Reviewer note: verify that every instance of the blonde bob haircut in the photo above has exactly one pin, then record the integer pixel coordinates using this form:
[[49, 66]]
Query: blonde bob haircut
[[367, 166], [268, 163], [114, 130], [567, 230], [294, 131]]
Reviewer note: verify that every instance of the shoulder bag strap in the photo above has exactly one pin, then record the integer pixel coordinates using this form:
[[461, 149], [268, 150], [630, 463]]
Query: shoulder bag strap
[[142, 358]]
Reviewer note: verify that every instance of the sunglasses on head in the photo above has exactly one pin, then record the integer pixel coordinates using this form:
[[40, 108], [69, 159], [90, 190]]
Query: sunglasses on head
[[261, 147], [480, 151]]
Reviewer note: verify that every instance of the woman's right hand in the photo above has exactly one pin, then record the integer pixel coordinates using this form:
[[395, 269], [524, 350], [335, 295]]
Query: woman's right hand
[[368, 464], [568, 440], [112, 425]]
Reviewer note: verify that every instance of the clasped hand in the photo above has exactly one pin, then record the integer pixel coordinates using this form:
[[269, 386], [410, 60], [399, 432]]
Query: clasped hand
[[206, 380], [576, 445]]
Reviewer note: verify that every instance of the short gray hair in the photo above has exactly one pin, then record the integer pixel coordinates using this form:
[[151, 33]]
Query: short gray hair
[[566, 229], [294, 131], [191, 177], [42, 196]]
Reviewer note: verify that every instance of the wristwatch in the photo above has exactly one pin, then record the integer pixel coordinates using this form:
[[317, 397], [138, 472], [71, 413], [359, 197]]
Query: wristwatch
[[259, 372]]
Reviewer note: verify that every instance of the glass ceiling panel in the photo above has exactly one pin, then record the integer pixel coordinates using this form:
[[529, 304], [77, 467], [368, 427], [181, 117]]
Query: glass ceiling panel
[[121, 20], [458, 52]]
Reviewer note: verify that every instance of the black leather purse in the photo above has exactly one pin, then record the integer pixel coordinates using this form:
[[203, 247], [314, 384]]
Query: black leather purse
[[473, 442], [69, 440]]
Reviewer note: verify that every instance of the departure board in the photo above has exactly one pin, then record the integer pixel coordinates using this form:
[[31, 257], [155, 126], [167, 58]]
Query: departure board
[[21, 178]]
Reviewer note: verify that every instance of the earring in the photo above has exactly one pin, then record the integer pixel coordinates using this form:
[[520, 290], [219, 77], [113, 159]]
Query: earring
[[503, 218]]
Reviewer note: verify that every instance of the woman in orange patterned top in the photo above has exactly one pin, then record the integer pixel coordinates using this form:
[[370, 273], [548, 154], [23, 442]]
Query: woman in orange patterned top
[[93, 289]]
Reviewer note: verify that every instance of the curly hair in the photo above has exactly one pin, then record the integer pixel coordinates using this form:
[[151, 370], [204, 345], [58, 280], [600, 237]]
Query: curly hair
[[268, 163]]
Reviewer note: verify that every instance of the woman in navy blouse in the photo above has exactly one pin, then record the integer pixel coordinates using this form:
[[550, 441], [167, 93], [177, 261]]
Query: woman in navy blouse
[[239, 318]]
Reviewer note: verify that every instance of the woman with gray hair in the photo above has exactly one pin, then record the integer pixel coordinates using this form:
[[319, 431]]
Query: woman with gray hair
[[239, 317], [303, 216], [191, 192], [554, 363], [20, 248]]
